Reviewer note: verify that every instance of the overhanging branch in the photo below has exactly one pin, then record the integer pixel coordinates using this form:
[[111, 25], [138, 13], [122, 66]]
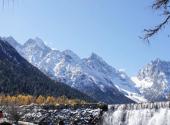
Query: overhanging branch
[[160, 3], [151, 32]]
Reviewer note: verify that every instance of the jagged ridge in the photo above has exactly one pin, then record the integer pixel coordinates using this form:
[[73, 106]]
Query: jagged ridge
[[92, 75]]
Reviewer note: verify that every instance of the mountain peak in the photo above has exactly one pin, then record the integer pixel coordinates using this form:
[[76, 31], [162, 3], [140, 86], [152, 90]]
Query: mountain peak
[[94, 56], [71, 55], [67, 51], [12, 42], [157, 61], [9, 38], [39, 40], [159, 65], [35, 42], [7, 51], [34, 50]]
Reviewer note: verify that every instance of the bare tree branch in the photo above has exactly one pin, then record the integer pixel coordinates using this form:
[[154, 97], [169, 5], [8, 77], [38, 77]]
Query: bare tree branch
[[162, 5], [151, 32]]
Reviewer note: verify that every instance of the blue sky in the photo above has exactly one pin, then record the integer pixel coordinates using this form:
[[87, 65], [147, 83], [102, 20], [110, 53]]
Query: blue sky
[[109, 28]]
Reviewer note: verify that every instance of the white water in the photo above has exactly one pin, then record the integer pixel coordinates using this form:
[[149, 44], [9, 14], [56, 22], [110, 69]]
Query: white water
[[138, 114]]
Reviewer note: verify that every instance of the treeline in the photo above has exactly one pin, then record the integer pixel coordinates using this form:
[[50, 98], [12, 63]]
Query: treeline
[[28, 99]]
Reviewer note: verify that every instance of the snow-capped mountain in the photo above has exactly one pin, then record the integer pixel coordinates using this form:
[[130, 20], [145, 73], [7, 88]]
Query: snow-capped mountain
[[13, 42], [91, 75], [110, 76], [34, 50], [153, 80], [18, 76]]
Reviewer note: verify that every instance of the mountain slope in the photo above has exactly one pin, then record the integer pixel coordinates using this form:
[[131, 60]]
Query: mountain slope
[[112, 77], [154, 80], [92, 76], [19, 76]]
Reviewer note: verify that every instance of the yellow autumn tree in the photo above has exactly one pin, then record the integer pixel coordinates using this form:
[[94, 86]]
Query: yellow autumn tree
[[13, 99], [50, 100], [40, 100], [2, 99]]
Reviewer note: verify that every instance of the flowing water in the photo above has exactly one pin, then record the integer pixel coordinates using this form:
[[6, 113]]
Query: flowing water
[[138, 114]]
